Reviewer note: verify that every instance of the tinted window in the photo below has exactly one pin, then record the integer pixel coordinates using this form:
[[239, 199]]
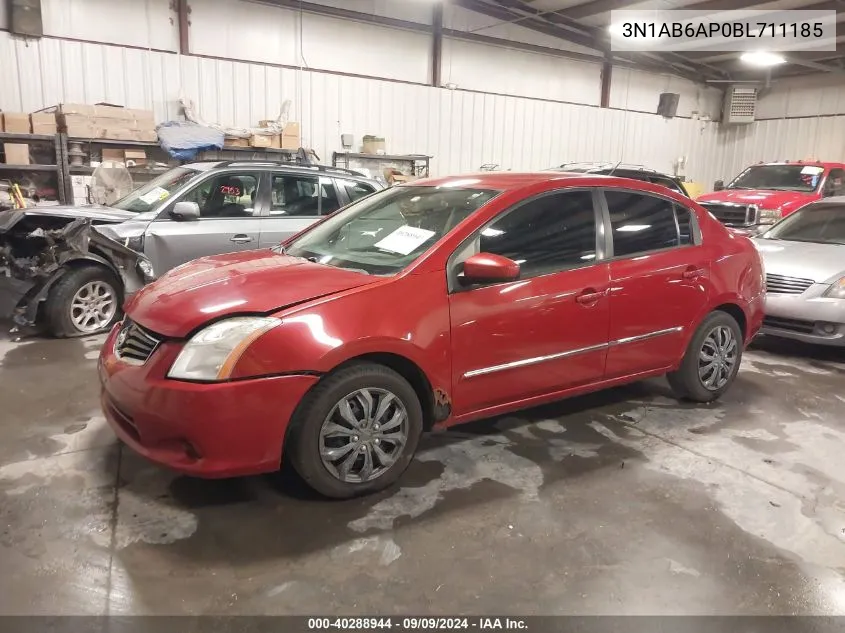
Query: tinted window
[[685, 226], [301, 196], [551, 233], [357, 190], [225, 196], [640, 222]]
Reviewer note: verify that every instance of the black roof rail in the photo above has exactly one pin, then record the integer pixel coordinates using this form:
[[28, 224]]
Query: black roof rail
[[323, 169]]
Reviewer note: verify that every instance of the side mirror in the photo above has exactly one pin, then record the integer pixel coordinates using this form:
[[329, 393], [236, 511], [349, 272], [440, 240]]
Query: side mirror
[[718, 185], [185, 211], [489, 268]]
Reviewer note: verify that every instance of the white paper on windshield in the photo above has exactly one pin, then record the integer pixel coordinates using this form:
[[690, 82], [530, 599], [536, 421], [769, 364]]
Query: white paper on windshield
[[404, 240], [812, 169], [154, 195]]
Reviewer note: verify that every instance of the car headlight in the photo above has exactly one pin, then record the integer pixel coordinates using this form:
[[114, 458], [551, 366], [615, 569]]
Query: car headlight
[[836, 289], [212, 353], [769, 216], [136, 243]]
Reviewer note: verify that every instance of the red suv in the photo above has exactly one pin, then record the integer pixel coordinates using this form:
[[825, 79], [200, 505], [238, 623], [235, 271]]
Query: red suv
[[428, 304], [764, 193]]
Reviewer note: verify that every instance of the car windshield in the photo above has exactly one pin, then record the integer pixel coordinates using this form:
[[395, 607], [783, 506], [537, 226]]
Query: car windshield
[[148, 196], [779, 177], [822, 224], [385, 232]]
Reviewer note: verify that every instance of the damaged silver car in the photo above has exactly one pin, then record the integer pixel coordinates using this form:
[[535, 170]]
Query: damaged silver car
[[60, 271]]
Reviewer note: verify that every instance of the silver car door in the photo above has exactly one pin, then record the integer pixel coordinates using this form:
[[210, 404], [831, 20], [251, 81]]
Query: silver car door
[[229, 221], [296, 202]]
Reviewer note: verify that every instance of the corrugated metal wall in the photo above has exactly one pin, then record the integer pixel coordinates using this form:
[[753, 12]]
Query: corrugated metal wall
[[461, 129]]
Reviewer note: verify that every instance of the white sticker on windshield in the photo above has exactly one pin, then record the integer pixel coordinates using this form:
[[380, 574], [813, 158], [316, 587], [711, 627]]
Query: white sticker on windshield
[[154, 195], [812, 169], [404, 240]]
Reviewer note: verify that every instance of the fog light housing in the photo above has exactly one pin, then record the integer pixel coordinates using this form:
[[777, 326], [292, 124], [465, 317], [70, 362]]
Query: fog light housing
[[827, 328]]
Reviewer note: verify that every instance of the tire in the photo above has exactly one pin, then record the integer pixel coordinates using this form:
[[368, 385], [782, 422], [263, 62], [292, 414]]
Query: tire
[[311, 431], [692, 380], [59, 308]]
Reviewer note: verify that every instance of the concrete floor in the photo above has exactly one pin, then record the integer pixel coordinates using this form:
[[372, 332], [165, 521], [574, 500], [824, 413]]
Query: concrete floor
[[625, 502]]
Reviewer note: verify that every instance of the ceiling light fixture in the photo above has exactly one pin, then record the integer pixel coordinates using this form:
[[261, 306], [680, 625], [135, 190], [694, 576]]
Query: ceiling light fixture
[[762, 58]]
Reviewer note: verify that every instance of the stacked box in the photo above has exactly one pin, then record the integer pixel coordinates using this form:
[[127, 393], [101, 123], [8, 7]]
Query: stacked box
[[16, 123], [43, 123], [106, 122], [290, 136]]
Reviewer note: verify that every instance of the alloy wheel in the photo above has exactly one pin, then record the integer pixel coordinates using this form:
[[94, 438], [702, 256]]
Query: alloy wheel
[[717, 358], [93, 306], [363, 435]]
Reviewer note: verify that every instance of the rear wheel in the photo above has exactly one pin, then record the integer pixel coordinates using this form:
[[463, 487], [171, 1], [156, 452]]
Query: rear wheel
[[711, 361], [83, 301], [356, 432]]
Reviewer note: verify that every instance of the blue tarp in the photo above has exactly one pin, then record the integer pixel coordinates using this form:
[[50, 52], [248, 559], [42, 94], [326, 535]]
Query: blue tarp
[[184, 140]]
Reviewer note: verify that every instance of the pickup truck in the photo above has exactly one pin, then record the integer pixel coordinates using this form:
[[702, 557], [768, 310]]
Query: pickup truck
[[766, 192]]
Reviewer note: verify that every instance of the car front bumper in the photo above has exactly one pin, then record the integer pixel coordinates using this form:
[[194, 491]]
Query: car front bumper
[[807, 317], [214, 430]]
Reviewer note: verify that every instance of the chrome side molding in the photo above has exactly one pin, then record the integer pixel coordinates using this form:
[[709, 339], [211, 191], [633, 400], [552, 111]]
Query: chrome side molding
[[524, 362]]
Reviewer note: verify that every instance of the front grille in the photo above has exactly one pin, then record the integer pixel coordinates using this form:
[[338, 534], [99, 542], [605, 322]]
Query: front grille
[[793, 325], [733, 214], [135, 344], [779, 284]]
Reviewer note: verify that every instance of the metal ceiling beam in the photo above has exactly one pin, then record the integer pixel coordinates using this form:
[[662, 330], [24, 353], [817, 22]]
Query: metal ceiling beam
[[535, 24]]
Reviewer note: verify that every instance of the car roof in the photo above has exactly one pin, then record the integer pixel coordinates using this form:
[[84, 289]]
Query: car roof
[[507, 180]]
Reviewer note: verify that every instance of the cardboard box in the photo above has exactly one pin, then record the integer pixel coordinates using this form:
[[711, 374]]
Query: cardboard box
[[373, 145], [276, 141], [114, 155], [80, 130], [148, 136], [290, 136], [16, 123], [267, 123], [235, 141], [75, 108], [16, 153], [43, 123], [137, 156], [260, 140], [395, 177]]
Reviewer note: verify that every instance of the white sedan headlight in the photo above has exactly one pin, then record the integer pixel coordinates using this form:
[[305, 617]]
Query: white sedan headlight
[[212, 353], [769, 216], [836, 289]]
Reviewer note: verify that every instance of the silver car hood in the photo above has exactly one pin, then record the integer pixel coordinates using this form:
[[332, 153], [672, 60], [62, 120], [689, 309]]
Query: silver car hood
[[94, 212], [823, 263]]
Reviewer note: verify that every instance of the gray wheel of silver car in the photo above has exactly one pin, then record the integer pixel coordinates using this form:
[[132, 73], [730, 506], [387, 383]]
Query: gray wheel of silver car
[[711, 361], [356, 432], [83, 301]]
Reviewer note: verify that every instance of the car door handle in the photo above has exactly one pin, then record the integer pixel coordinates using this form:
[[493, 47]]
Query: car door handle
[[589, 297], [240, 238], [692, 272]]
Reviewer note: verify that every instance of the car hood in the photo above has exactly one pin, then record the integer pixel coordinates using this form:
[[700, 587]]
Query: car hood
[[251, 282], [807, 260], [96, 214], [766, 199]]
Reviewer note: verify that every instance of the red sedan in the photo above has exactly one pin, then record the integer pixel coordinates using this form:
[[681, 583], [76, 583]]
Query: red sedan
[[428, 304]]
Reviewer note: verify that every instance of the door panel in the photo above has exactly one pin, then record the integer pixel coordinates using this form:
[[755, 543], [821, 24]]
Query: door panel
[[659, 282], [169, 243], [548, 330], [526, 338]]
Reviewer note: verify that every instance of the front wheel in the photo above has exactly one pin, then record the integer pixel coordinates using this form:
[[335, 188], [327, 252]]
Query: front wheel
[[85, 300], [356, 432], [712, 359]]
